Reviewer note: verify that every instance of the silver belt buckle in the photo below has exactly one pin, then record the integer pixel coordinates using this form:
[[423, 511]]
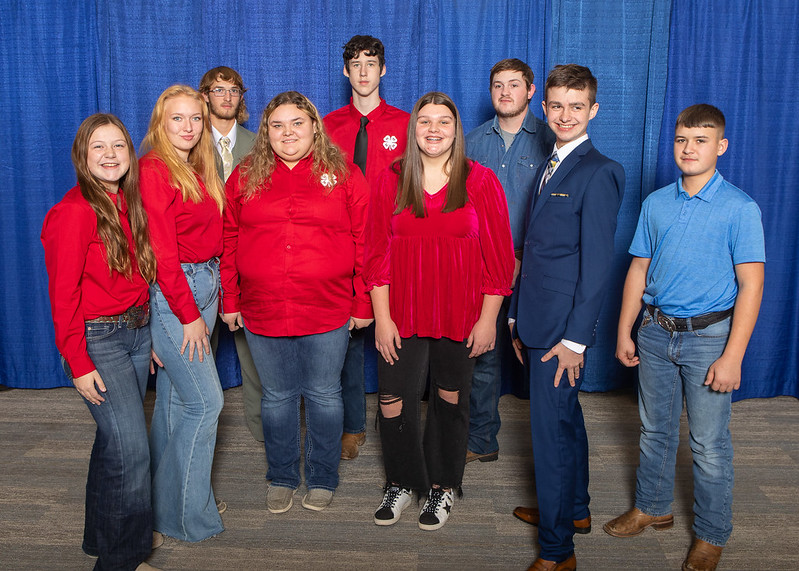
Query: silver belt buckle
[[666, 323]]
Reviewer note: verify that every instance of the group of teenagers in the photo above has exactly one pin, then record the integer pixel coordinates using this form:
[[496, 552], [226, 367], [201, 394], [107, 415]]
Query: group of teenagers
[[450, 247]]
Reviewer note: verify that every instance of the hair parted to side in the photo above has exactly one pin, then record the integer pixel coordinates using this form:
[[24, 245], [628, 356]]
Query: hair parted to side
[[572, 76], [201, 157], [512, 64], [702, 115], [372, 46], [224, 73], [108, 226], [257, 166], [410, 191]]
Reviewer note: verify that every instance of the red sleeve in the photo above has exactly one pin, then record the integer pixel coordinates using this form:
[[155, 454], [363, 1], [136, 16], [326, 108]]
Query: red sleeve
[[377, 264], [358, 205], [162, 202], [496, 241], [66, 236], [231, 294]]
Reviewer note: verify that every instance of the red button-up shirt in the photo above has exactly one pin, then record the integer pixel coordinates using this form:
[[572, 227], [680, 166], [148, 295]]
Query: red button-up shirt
[[294, 252], [81, 285], [181, 232]]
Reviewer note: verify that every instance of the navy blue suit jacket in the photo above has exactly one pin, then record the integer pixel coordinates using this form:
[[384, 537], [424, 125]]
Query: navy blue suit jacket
[[568, 250]]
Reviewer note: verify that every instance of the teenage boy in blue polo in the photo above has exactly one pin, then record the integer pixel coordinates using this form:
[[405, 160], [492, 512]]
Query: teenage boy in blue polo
[[697, 269]]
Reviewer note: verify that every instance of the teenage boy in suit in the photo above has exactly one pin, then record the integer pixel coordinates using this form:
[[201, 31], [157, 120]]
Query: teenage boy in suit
[[223, 90], [697, 271], [566, 259], [372, 135]]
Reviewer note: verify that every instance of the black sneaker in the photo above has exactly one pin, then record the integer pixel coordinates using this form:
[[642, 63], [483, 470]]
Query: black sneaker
[[395, 499], [436, 509]]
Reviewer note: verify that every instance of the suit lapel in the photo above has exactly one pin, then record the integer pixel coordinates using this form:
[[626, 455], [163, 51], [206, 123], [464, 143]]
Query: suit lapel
[[563, 171]]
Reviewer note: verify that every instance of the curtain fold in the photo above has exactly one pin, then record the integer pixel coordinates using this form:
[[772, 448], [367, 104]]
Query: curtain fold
[[63, 62], [743, 57]]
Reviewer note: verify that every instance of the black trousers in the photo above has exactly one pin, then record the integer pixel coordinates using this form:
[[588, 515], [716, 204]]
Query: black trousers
[[410, 460]]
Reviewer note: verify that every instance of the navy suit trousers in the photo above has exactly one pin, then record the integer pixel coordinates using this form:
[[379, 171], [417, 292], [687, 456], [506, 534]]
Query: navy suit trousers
[[560, 452]]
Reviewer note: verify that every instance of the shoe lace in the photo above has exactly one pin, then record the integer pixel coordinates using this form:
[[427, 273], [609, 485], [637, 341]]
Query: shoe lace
[[434, 498], [392, 494]]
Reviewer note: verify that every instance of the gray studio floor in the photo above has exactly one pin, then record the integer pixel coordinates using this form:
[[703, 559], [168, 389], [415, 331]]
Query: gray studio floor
[[47, 436]]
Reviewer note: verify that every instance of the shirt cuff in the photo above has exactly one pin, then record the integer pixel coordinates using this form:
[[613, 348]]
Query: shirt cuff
[[578, 348]]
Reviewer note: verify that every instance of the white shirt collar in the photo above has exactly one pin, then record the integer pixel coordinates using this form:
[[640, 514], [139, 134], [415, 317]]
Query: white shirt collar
[[217, 135], [566, 149]]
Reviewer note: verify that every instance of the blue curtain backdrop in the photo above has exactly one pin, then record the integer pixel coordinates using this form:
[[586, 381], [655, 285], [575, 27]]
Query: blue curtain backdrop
[[63, 62]]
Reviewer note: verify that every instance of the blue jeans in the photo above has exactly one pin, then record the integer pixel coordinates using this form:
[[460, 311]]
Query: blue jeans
[[673, 366], [484, 421], [307, 366], [119, 519], [187, 406], [353, 384]]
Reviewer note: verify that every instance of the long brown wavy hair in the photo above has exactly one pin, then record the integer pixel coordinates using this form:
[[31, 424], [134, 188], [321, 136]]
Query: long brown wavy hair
[[108, 226], [259, 164], [201, 158], [410, 193]]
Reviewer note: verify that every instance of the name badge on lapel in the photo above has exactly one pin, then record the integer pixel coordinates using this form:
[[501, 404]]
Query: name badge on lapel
[[559, 194]]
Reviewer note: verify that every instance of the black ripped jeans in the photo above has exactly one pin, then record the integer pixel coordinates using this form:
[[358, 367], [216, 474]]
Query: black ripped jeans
[[439, 458]]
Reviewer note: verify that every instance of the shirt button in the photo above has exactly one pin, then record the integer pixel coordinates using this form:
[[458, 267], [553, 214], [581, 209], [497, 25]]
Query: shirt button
[[288, 247], [503, 166]]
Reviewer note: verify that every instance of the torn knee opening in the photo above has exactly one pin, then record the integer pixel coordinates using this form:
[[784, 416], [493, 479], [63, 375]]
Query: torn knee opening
[[390, 405], [449, 396]]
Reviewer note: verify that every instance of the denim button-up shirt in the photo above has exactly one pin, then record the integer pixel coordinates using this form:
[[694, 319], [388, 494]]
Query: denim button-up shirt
[[515, 167]]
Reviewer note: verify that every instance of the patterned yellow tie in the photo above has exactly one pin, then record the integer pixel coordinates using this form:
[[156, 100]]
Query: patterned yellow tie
[[227, 157], [551, 164]]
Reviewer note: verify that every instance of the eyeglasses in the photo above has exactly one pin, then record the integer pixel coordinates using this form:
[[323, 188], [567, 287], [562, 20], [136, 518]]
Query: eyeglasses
[[220, 92]]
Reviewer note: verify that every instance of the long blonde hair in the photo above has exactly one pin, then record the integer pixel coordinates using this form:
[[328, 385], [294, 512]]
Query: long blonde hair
[[108, 226], [201, 161], [259, 164]]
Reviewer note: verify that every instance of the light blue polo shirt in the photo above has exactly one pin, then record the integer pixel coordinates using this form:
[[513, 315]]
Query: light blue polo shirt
[[694, 243]]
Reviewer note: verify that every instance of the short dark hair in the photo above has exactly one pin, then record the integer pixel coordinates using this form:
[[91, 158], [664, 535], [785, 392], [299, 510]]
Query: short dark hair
[[701, 115], [572, 76], [512, 64], [368, 44], [224, 73]]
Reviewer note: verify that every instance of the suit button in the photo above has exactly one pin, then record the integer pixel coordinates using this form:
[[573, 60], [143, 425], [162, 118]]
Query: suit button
[[524, 276]]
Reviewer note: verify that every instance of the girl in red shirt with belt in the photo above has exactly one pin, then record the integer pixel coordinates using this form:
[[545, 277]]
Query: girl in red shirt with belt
[[99, 262], [439, 261], [184, 198], [291, 275]]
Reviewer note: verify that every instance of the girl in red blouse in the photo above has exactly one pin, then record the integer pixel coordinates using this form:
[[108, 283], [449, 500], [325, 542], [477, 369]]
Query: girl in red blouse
[[439, 260], [99, 261], [184, 198], [291, 275]]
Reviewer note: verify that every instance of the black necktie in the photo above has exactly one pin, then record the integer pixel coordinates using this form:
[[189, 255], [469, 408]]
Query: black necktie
[[359, 156]]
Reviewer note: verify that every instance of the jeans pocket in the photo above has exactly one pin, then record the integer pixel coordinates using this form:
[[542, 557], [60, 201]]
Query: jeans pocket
[[720, 329], [100, 331], [646, 320], [205, 286]]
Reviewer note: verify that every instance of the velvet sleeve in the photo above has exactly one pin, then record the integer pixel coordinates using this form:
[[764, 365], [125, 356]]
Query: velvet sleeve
[[377, 267], [161, 201], [496, 241], [231, 294], [66, 236], [358, 207]]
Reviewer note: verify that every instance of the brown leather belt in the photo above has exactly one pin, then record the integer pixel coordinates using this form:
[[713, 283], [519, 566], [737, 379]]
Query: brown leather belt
[[672, 324], [135, 317]]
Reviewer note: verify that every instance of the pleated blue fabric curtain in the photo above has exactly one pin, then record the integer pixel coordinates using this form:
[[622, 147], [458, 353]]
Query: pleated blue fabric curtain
[[752, 75], [625, 44], [63, 62]]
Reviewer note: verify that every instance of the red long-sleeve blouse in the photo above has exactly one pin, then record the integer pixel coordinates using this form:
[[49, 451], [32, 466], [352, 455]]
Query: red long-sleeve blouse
[[181, 232], [80, 284], [293, 257], [439, 267]]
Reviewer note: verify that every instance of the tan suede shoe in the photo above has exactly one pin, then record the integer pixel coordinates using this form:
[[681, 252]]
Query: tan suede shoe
[[635, 522], [539, 564]]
